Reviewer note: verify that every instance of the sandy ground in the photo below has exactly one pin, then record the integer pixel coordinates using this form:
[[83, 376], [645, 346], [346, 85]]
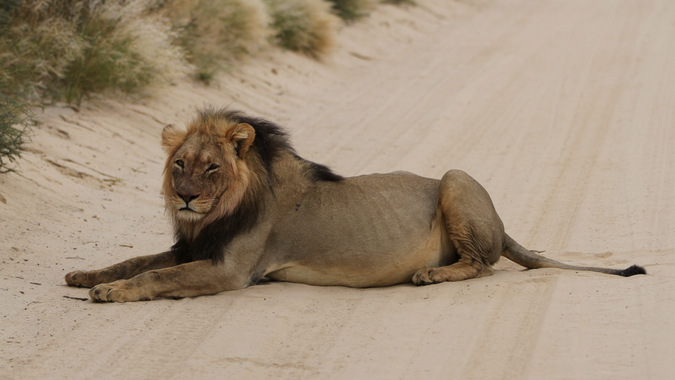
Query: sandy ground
[[563, 109]]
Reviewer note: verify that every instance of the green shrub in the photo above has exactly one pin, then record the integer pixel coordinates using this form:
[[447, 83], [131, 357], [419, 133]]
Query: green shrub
[[352, 10], [14, 111], [305, 26]]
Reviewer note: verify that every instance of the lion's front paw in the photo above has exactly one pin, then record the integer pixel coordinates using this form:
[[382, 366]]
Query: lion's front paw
[[81, 278], [118, 291]]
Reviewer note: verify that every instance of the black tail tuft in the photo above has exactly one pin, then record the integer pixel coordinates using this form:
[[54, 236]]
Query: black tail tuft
[[633, 270]]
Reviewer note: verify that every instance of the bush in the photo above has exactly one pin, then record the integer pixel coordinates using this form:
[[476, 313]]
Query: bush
[[122, 49], [305, 26], [34, 51], [218, 33], [352, 10], [13, 111], [65, 50]]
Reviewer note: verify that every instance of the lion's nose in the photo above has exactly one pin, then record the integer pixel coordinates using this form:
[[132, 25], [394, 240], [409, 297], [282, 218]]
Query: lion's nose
[[188, 197]]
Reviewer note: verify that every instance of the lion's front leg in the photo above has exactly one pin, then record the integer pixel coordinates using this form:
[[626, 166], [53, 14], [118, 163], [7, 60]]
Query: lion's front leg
[[124, 270], [185, 280]]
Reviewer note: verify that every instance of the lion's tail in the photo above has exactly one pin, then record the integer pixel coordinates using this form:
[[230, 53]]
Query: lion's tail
[[533, 260]]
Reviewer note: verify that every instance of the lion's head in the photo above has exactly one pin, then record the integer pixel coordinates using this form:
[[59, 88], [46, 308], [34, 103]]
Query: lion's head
[[210, 168]]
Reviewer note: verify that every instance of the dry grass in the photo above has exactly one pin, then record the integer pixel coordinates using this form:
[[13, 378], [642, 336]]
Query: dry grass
[[217, 34], [65, 50], [305, 26], [123, 49]]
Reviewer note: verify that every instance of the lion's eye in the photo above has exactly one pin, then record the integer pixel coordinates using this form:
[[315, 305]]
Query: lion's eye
[[212, 168], [180, 164]]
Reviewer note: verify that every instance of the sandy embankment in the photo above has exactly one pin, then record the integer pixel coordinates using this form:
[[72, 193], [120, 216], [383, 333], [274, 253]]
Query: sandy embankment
[[562, 109]]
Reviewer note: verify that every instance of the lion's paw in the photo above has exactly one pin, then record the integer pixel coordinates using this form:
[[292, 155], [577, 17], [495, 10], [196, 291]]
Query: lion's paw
[[117, 291], [426, 276], [81, 278]]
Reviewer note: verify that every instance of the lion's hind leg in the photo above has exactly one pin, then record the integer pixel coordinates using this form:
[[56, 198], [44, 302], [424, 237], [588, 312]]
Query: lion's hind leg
[[473, 227]]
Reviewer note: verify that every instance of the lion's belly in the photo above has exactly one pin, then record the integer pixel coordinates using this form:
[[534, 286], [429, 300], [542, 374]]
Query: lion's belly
[[367, 269], [366, 231]]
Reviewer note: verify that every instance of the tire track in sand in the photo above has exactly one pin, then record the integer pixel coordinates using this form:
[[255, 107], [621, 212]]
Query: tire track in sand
[[509, 331]]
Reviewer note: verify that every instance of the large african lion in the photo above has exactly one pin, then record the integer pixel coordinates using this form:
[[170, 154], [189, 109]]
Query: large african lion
[[246, 206]]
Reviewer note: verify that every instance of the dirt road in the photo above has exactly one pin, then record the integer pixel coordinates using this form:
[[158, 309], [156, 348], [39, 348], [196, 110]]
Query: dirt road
[[563, 109]]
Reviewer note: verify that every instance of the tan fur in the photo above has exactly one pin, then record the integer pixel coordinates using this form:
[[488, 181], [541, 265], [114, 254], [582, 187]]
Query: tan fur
[[305, 225]]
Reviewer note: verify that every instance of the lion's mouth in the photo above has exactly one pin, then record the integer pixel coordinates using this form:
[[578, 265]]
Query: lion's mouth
[[188, 210]]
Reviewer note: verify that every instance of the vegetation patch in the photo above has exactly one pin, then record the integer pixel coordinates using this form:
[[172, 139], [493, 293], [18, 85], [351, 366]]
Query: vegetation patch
[[217, 34], [305, 26], [122, 48], [352, 10], [14, 112], [67, 50]]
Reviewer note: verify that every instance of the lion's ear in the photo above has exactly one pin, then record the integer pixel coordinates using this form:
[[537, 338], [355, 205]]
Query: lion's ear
[[243, 135], [172, 136]]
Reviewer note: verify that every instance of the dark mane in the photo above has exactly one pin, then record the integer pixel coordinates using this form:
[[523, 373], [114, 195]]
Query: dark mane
[[270, 142], [318, 172], [270, 139], [211, 242]]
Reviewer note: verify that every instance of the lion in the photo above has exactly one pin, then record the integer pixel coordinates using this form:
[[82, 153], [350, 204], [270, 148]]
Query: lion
[[246, 207]]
